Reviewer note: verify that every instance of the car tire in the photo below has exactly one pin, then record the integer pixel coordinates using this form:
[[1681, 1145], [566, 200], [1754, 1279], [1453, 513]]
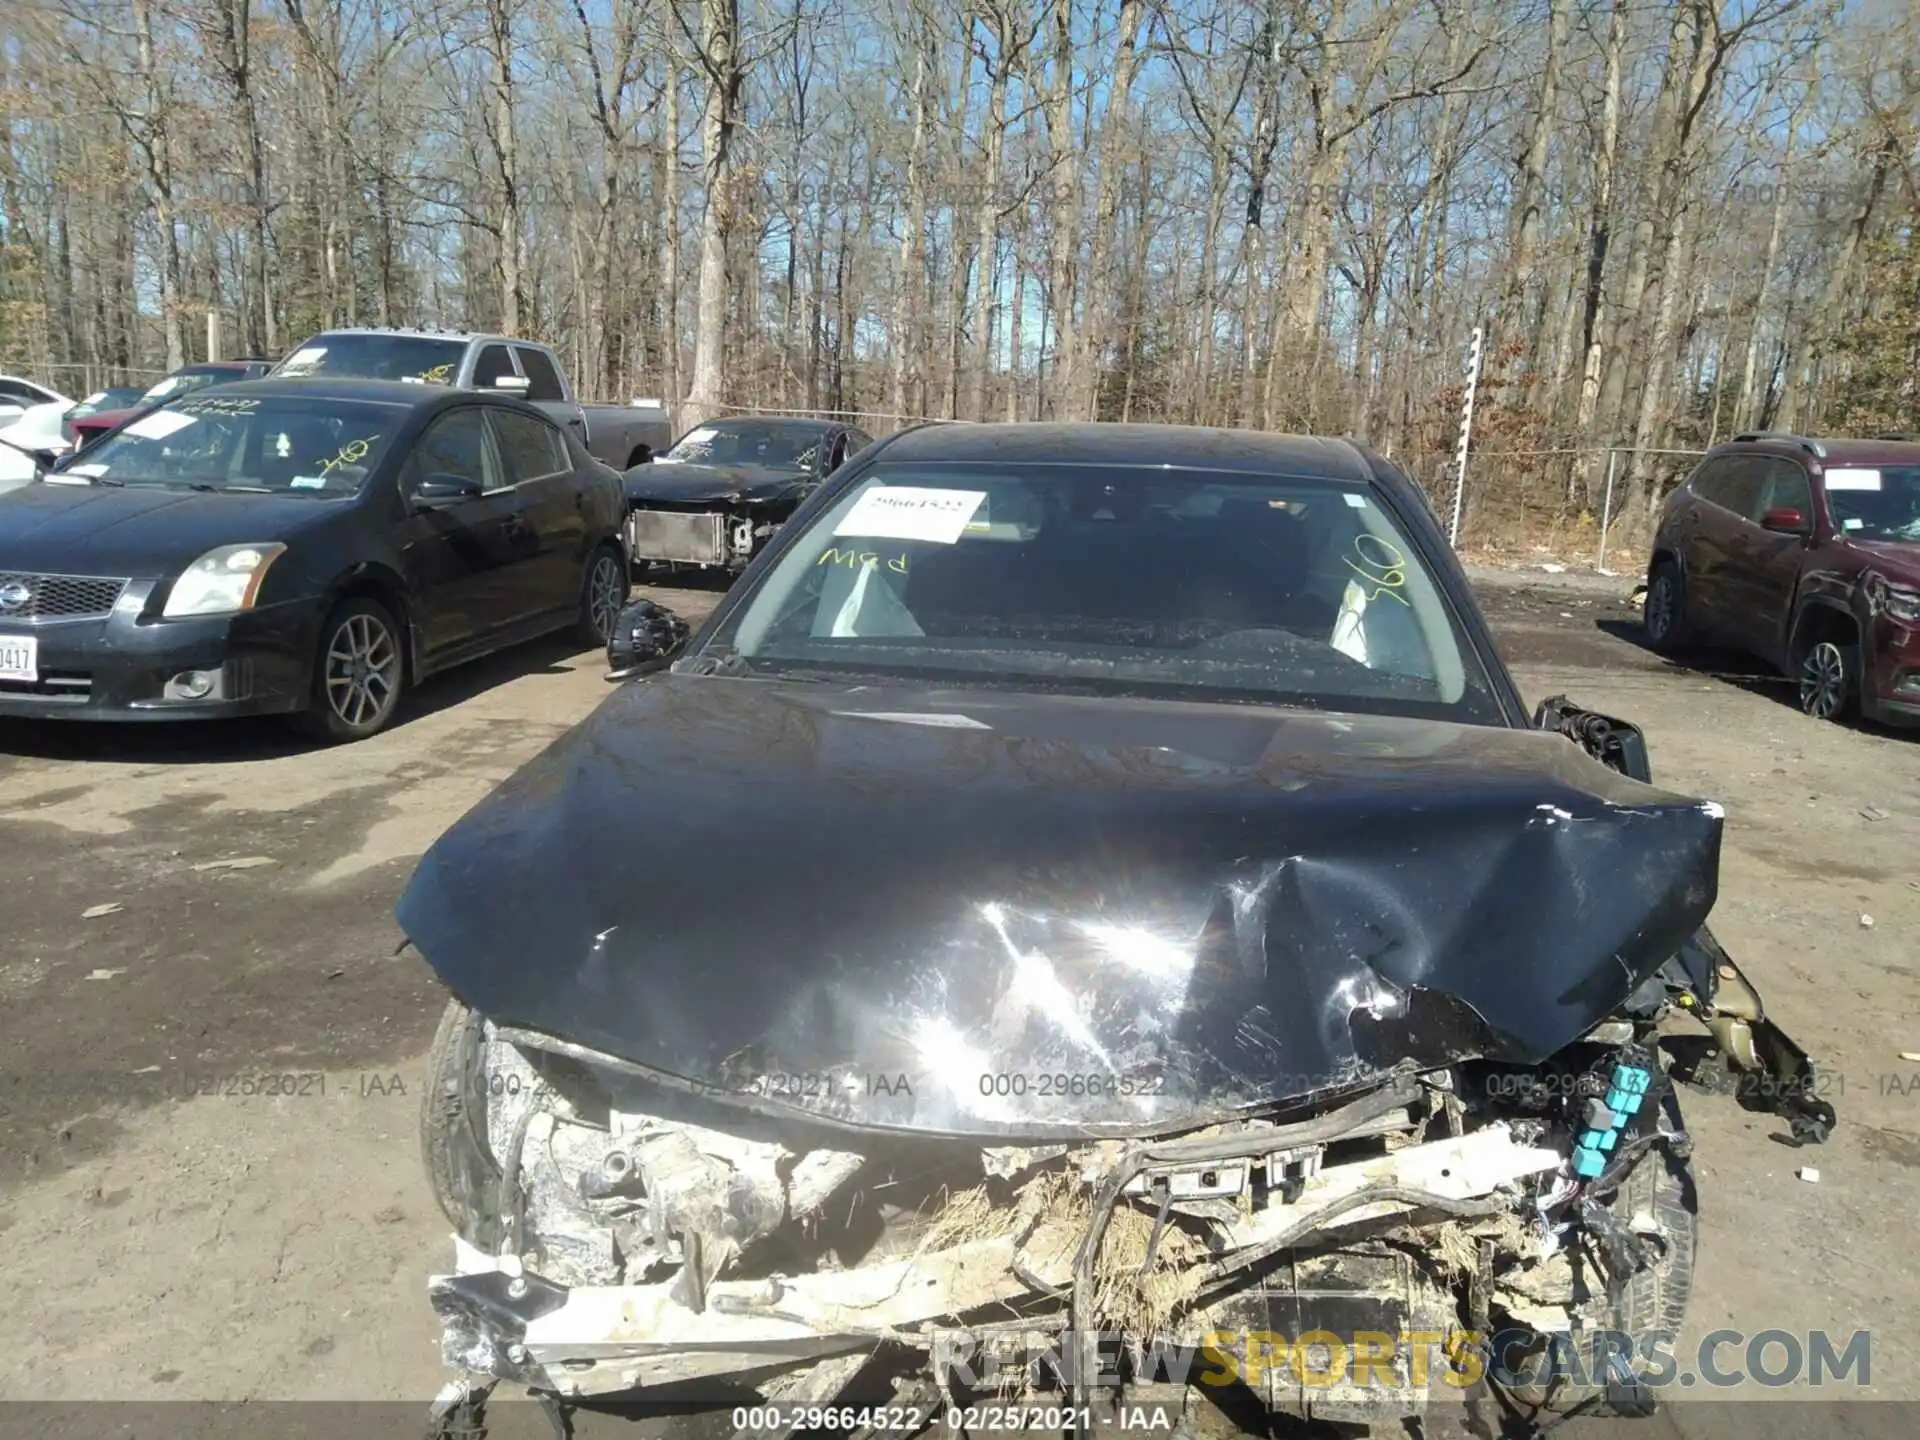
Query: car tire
[[1654, 1300], [604, 587], [1663, 611], [359, 673], [1829, 680], [461, 1166]]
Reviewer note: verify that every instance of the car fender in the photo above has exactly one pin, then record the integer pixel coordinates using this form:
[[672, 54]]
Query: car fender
[[1665, 549], [1821, 598], [395, 593]]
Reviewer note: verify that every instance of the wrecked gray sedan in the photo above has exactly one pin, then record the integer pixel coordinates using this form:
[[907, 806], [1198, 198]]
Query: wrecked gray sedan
[[1090, 903]]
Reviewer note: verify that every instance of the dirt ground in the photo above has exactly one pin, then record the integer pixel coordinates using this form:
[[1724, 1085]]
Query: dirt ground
[[167, 1241]]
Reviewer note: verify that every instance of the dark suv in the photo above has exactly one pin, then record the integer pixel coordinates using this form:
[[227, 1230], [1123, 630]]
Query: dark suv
[[1805, 553]]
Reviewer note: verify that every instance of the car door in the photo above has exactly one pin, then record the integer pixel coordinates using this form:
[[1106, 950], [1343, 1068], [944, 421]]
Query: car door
[[467, 559], [1726, 490], [1763, 570], [539, 466]]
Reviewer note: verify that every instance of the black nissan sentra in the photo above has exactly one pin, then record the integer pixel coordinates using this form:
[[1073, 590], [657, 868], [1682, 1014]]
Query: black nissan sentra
[[310, 548], [1087, 878]]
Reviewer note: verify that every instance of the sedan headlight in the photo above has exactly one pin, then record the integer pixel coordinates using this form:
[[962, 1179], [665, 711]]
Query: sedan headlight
[[222, 581], [1903, 603]]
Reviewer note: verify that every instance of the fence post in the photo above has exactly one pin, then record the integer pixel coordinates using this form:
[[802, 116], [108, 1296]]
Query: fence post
[[1606, 509], [1466, 431]]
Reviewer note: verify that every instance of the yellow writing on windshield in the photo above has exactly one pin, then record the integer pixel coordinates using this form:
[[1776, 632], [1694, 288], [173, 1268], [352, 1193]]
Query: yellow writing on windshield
[[217, 405], [351, 453], [859, 560], [1380, 563]]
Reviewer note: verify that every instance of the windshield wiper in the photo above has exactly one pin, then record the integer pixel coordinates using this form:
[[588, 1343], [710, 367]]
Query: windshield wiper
[[720, 660], [207, 487]]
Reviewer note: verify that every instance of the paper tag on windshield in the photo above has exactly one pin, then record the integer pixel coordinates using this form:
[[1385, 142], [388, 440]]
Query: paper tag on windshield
[[87, 470], [1843, 478], [696, 437], [908, 512], [308, 482], [304, 359], [163, 386], [158, 425]]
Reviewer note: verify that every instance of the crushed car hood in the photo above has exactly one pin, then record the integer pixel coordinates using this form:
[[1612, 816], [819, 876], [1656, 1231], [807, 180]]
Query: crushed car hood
[[989, 913], [683, 482]]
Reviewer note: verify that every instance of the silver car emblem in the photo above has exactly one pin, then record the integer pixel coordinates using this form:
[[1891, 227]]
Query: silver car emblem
[[15, 594]]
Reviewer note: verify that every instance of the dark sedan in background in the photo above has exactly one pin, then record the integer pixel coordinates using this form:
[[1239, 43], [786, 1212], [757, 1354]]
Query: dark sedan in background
[[302, 547], [719, 494]]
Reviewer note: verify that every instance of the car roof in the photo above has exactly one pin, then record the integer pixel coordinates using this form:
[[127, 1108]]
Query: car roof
[[771, 422], [378, 392], [1178, 447], [1828, 452], [404, 332]]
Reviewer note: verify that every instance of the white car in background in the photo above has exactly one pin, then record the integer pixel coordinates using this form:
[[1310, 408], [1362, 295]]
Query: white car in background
[[30, 441], [18, 395]]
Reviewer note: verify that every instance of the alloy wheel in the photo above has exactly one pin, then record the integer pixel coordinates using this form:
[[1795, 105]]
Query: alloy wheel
[[1658, 613], [606, 593], [362, 670], [1823, 681]]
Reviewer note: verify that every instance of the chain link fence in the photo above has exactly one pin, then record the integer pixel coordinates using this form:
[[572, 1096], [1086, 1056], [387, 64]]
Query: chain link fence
[[1571, 505]]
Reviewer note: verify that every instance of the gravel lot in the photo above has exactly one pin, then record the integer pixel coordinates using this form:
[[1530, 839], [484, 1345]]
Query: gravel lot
[[171, 1245]]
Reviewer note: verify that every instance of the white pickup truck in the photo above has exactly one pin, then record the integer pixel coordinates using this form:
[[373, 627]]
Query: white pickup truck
[[618, 435]]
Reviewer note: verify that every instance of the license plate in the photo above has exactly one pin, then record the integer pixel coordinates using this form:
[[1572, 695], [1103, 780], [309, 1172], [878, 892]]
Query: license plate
[[20, 657]]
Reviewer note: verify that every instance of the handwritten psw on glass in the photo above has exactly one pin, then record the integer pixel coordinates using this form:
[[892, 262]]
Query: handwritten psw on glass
[[908, 512]]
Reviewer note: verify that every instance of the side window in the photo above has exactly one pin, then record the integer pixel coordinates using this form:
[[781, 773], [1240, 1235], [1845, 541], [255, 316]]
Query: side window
[[456, 444], [493, 363], [835, 454], [530, 449], [1733, 483], [1787, 488], [1709, 481], [857, 440], [543, 379], [1747, 485]]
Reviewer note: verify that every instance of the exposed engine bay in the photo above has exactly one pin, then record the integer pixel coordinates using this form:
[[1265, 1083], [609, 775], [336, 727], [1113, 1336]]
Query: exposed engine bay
[[722, 536], [640, 1235]]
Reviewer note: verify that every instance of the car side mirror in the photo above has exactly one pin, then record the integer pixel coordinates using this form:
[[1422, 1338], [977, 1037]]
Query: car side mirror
[[442, 488], [644, 638], [514, 384], [1614, 743], [1784, 520]]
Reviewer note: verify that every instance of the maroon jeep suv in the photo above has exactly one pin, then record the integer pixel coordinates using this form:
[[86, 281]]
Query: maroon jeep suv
[[1805, 553]]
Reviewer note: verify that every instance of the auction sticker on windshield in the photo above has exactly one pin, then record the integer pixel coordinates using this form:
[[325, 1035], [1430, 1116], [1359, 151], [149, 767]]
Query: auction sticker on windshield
[[158, 425], [1851, 479], [19, 657], [910, 512]]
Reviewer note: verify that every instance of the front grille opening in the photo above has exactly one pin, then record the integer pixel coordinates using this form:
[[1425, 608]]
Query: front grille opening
[[58, 597]]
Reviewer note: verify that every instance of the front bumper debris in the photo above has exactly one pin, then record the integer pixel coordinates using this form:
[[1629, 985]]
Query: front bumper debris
[[504, 1320]]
